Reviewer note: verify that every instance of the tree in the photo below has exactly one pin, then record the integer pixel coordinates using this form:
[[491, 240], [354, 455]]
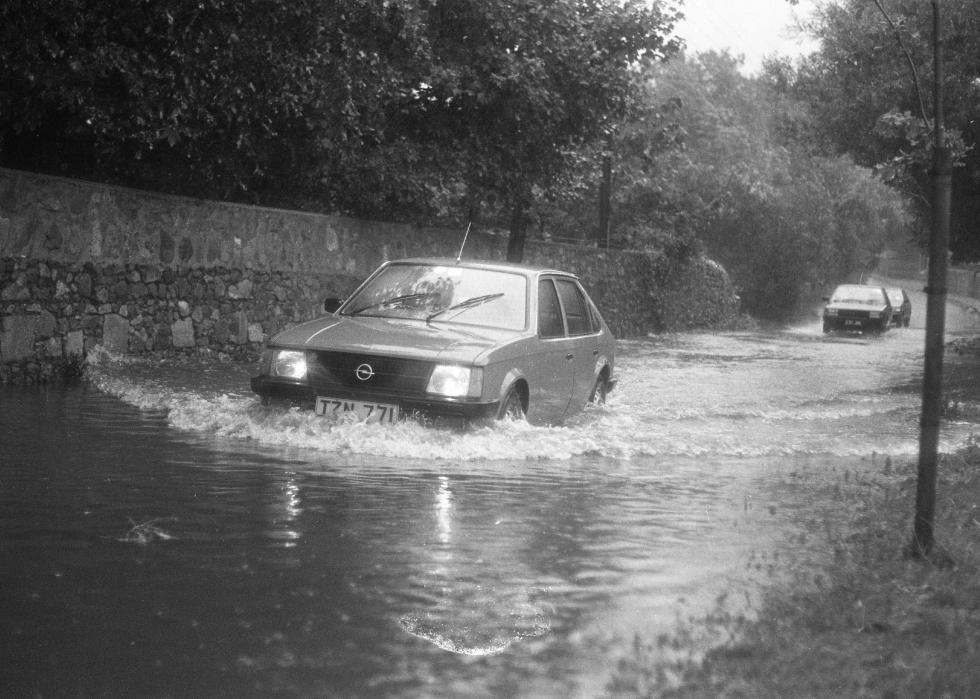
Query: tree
[[518, 89], [255, 100], [385, 108], [867, 104], [713, 160]]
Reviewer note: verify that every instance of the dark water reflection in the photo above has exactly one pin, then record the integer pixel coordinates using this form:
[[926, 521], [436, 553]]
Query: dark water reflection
[[140, 560], [167, 536]]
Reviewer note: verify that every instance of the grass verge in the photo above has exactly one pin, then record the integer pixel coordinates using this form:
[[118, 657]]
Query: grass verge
[[867, 622]]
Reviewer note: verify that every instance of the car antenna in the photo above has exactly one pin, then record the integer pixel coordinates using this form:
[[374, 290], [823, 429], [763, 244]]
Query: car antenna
[[465, 236]]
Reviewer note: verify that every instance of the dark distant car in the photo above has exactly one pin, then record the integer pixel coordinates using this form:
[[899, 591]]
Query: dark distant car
[[469, 341], [857, 307], [901, 306]]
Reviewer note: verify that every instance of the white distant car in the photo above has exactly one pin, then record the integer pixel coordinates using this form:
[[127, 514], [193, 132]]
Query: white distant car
[[857, 307], [451, 339]]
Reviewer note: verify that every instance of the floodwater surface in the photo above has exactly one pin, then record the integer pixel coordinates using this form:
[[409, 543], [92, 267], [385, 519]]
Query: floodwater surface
[[163, 534]]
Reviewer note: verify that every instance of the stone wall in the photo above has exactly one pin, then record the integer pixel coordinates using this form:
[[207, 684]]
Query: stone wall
[[84, 264]]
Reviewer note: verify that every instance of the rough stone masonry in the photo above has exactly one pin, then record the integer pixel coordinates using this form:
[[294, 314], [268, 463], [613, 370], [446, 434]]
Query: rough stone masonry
[[85, 264]]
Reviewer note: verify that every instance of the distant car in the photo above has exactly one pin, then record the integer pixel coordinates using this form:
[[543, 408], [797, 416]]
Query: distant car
[[468, 341], [901, 306], [857, 307]]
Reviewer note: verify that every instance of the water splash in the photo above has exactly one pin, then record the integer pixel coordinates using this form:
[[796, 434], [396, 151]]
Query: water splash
[[691, 396]]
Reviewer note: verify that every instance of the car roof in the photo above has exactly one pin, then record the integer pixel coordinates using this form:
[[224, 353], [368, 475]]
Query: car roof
[[841, 287], [482, 264], [860, 290]]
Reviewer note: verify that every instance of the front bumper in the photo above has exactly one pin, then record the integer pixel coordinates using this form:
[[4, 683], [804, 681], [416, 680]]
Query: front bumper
[[303, 395]]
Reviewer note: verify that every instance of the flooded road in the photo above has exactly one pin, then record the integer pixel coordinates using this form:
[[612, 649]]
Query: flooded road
[[163, 534]]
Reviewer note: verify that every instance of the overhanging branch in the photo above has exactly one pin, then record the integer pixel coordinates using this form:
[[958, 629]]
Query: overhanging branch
[[908, 57]]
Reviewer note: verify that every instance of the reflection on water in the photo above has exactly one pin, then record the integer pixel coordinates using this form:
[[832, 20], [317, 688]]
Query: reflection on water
[[164, 534], [467, 613], [444, 510]]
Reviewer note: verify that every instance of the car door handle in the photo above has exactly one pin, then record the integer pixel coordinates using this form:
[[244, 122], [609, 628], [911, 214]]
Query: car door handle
[[569, 356]]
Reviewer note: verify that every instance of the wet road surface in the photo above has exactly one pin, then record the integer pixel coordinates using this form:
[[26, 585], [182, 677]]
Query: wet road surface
[[163, 534]]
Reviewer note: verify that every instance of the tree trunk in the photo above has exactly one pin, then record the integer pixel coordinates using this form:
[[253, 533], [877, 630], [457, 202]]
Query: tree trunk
[[605, 207], [518, 231]]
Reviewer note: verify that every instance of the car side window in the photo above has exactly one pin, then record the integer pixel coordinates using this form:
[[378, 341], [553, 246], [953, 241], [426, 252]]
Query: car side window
[[549, 311], [594, 317], [577, 314]]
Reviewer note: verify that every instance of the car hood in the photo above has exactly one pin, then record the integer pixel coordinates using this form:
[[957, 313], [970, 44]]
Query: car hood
[[397, 337]]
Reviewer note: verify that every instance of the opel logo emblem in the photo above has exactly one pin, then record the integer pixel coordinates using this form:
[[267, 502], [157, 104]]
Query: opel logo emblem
[[364, 372]]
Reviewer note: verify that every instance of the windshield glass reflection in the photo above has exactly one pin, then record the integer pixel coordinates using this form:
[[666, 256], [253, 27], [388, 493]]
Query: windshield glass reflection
[[437, 293]]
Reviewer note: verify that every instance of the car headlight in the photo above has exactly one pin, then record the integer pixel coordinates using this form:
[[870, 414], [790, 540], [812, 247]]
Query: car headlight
[[290, 364], [455, 381], [830, 311]]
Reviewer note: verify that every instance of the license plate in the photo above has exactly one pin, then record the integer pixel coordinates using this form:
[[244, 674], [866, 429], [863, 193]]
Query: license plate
[[852, 322], [366, 411]]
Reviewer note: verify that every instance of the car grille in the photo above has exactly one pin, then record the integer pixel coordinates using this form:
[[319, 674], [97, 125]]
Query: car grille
[[345, 371], [845, 314]]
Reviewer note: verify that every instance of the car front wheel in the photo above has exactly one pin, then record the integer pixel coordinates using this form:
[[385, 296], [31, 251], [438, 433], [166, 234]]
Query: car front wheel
[[511, 407], [599, 392]]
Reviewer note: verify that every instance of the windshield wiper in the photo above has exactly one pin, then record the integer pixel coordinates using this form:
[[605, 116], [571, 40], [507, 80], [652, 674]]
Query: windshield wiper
[[468, 303], [392, 300]]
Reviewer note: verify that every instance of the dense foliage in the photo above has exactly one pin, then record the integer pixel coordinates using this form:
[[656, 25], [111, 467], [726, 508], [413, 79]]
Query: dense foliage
[[409, 109], [504, 113], [711, 159], [870, 87]]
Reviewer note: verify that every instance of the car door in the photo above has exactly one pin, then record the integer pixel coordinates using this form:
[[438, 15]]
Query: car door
[[583, 335], [551, 369]]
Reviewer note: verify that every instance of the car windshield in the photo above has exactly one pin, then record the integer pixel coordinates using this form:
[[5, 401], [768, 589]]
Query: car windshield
[[865, 295], [444, 294]]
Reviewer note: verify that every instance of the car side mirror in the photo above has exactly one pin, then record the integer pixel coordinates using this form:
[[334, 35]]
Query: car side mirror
[[826, 299], [331, 304]]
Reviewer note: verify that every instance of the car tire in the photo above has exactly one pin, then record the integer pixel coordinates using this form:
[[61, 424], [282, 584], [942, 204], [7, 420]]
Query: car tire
[[512, 407], [827, 327], [599, 392], [906, 321]]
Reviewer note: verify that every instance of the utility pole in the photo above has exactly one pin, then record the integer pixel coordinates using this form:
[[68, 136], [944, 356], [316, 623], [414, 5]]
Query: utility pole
[[932, 385]]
